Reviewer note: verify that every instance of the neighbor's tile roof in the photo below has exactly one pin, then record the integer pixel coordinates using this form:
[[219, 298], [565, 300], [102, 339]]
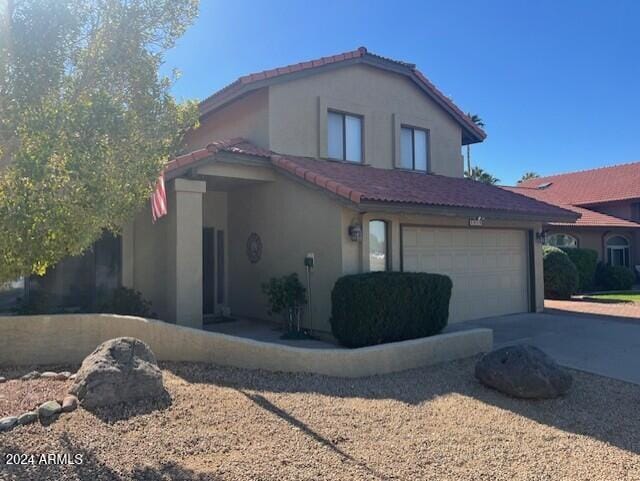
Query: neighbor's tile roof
[[231, 90], [589, 218], [606, 184], [361, 183]]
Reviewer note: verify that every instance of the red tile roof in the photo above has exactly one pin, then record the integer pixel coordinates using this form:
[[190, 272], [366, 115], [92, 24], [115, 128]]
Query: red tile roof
[[589, 218], [606, 184], [362, 184], [235, 88], [236, 145]]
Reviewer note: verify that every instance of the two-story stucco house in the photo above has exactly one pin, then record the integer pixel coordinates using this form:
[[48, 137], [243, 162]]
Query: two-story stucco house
[[608, 200], [354, 158]]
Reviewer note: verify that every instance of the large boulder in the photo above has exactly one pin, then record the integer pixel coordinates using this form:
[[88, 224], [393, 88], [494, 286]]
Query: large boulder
[[523, 371], [121, 370]]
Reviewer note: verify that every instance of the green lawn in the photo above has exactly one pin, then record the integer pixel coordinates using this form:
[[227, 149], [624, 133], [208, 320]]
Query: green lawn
[[629, 296]]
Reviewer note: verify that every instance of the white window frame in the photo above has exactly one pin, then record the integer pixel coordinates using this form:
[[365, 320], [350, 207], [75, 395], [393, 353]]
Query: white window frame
[[344, 117], [626, 251], [413, 130], [387, 250]]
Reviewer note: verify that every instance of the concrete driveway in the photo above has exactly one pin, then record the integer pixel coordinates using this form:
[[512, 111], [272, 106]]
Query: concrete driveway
[[602, 345]]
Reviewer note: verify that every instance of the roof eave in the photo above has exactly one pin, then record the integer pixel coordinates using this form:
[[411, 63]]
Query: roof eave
[[458, 211]]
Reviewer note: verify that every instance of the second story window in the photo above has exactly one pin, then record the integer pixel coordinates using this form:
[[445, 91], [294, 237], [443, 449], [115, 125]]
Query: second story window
[[414, 148], [344, 136]]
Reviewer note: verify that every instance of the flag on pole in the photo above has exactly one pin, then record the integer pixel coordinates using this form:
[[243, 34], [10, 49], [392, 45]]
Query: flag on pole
[[159, 199]]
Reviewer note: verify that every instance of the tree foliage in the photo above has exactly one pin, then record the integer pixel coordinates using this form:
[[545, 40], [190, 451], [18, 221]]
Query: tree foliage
[[86, 121], [528, 176], [480, 175]]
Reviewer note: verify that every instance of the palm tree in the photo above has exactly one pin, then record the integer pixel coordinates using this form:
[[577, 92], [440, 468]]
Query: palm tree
[[478, 121], [480, 175], [528, 176]]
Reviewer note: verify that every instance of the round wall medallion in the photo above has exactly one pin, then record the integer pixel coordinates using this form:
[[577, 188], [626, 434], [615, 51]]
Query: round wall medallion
[[254, 248]]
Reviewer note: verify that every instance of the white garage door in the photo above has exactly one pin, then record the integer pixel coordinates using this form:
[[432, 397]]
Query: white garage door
[[488, 267]]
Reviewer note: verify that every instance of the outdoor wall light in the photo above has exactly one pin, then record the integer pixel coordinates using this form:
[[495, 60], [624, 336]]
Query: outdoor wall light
[[541, 236], [355, 232]]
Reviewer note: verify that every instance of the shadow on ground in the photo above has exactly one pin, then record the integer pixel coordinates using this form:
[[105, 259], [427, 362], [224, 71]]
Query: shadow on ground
[[91, 468], [597, 407]]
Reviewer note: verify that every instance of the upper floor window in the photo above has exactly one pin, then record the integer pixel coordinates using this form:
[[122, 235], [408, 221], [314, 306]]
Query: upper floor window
[[562, 240], [344, 136], [414, 148]]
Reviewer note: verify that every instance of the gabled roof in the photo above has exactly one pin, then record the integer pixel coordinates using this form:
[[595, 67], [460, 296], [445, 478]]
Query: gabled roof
[[471, 132], [589, 218], [365, 185], [595, 186]]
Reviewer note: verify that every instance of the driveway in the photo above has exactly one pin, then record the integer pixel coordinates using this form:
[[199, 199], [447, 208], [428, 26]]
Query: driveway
[[605, 345], [625, 310]]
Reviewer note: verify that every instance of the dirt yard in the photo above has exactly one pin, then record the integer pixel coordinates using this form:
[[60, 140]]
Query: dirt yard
[[435, 423]]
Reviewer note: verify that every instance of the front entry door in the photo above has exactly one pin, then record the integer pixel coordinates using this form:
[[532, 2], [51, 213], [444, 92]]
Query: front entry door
[[208, 271]]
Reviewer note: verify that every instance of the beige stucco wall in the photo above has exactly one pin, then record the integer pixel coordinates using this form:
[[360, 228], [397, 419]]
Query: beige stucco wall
[[246, 117], [291, 220], [69, 338], [295, 118]]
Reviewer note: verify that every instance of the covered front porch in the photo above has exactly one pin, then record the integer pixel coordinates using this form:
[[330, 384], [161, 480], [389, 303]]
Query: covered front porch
[[181, 263]]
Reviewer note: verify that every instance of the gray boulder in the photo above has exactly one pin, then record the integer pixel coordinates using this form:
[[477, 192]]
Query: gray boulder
[[523, 371], [49, 409], [121, 370], [8, 423], [27, 418]]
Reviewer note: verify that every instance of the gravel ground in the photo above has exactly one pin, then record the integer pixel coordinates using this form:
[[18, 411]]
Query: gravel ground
[[434, 423]]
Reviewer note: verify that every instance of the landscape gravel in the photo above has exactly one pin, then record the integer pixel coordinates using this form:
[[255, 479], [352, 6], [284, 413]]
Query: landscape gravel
[[435, 423]]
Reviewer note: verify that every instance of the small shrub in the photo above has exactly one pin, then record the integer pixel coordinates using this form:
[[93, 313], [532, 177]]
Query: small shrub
[[125, 301], [613, 278], [560, 274], [379, 307], [283, 293], [38, 302], [586, 261]]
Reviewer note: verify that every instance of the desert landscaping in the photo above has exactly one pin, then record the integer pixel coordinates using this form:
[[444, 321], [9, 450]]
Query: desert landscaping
[[439, 423]]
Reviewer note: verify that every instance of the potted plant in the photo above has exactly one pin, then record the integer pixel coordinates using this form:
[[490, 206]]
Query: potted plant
[[287, 297]]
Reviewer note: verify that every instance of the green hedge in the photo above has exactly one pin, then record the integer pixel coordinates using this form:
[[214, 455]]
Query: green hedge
[[614, 278], [586, 261], [379, 307], [560, 274]]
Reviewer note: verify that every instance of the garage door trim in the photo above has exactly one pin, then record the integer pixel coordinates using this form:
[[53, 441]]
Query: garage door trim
[[530, 239]]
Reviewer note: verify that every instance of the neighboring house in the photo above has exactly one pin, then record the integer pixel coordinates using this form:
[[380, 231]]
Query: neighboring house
[[355, 158], [608, 200]]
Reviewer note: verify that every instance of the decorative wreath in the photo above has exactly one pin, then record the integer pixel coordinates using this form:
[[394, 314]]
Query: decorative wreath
[[254, 248]]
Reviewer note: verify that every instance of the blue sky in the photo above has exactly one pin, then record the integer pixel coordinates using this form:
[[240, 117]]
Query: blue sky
[[556, 82]]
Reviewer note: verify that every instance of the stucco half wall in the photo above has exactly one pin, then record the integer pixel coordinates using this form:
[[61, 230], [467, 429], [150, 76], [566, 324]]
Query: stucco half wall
[[63, 339]]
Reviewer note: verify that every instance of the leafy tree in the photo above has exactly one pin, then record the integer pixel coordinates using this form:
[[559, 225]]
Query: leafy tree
[[481, 176], [479, 122], [528, 176], [86, 121]]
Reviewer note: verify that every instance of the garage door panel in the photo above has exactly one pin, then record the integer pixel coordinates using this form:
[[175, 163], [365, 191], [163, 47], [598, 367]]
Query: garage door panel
[[488, 267]]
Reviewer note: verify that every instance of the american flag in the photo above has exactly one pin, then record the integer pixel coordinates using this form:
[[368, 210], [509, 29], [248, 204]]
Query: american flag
[[159, 199]]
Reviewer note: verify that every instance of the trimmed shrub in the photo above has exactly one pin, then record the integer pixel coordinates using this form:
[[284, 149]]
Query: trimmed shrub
[[614, 278], [560, 274], [586, 261], [379, 307], [125, 301]]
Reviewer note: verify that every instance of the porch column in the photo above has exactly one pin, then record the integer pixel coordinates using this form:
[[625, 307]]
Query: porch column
[[185, 252]]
